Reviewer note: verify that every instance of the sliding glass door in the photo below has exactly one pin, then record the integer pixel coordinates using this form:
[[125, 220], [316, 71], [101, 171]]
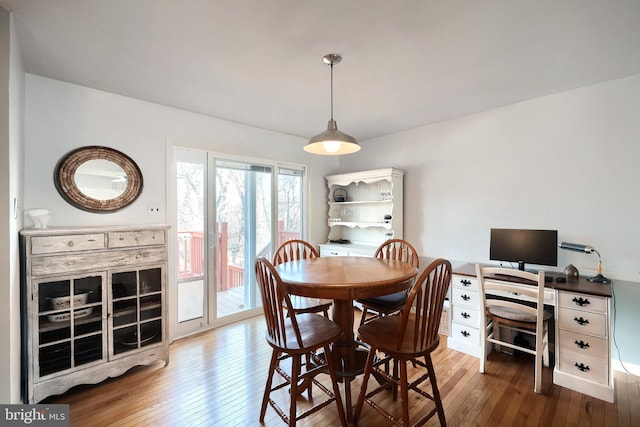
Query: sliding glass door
[[229, 211]]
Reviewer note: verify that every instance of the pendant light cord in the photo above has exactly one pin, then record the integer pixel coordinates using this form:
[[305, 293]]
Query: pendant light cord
[[331, 90]]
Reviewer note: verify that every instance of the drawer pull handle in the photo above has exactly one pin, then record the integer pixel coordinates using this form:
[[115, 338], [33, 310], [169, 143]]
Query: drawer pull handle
[[581, 301], [582, 367], [69, 244], [582, 344], [465, 333], [465, 297], [465, 315], [581, 321], [465, 282]]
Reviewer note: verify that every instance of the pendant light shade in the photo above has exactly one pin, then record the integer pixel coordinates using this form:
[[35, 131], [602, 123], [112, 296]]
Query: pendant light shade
[[332, 142]]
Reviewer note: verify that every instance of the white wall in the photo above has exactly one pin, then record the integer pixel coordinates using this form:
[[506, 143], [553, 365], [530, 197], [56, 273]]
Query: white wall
[[569, 161]]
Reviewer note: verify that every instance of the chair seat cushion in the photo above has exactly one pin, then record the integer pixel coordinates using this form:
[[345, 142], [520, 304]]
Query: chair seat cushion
[[386, 301], [517, 315]]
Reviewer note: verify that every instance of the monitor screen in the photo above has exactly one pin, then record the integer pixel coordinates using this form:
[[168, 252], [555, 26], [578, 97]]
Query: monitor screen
[[524, 246]]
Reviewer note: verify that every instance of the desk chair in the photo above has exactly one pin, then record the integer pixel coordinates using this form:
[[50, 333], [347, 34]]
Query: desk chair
[[293, 335], [407, 338], [514, 314], [293, 250], [385, 305]]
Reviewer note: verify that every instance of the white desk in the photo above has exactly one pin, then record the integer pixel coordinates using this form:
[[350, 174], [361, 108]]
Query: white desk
[[582, 329]]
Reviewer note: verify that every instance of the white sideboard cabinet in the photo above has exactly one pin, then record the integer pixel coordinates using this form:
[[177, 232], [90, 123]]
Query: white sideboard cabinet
[[93, 305], [365, 209]]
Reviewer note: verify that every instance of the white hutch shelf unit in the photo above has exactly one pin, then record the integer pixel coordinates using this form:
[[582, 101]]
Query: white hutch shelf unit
[[365, 209]]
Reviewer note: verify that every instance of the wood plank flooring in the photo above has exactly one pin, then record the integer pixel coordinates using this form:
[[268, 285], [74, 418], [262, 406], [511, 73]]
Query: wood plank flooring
[[217, 379]]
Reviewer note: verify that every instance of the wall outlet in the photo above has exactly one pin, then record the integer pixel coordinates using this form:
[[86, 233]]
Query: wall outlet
[[153, 210]]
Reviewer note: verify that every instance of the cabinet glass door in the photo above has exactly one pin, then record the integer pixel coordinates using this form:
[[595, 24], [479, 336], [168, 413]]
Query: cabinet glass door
[[136, 298], [70, 328]]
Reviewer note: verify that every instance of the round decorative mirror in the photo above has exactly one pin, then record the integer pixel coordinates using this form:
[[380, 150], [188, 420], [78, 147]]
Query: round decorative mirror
[[98, 179]]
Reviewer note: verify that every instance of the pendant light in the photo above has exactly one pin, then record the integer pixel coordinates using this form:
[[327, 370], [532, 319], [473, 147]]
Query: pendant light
[[332, 142]]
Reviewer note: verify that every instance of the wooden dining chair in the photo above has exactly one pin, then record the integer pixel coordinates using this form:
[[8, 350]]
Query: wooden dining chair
[[407, 338], [293, 250], [296, 337], [514, 315], [396, 249]]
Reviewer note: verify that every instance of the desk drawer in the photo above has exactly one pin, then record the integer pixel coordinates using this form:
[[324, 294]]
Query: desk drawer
[[465, 333], [466, 297], [584, 367], [583, 345], [583, 322], [582, 301], [466, 315], [464, 282]]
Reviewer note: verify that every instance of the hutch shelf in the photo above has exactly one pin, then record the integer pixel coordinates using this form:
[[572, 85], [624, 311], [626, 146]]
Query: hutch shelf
[[365, 209]]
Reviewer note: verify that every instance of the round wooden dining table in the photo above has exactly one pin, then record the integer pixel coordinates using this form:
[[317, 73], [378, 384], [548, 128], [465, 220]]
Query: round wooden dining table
[[344, 279]]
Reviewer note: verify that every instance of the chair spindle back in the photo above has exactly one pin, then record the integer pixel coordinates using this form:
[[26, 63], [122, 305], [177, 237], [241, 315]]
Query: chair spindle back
[[424, 305], [275, 299]]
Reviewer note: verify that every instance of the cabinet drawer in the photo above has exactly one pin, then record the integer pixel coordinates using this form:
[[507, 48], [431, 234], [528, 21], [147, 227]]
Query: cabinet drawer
[[584, 367], [584, 345], [57, 264], [70, 243], [333, 252], [582, 301], [464, 282], [465, 333], [583, 322], [465, 297], [466, 315], [123, 239]]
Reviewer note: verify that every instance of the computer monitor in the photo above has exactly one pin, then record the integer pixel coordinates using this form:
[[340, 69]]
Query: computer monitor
[[524, 246]]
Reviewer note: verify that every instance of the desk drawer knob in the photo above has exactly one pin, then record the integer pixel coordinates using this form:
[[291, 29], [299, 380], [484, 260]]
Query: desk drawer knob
[[465, 315], [465, 282], [581, 321], [465, 297], [465, 333], [582, 344], [582, 367], [581, 301]]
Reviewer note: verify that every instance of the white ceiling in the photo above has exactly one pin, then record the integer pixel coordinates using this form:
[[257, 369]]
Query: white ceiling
[[405, 63]]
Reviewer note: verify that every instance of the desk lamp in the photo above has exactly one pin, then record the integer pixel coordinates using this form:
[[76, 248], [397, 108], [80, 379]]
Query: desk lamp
[[598, 278]]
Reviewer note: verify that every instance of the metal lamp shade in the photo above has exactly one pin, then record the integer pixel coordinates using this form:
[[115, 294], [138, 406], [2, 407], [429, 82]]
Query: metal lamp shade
[[332, 142]]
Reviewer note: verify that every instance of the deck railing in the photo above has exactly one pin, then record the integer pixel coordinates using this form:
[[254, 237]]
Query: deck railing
[[191, 255]]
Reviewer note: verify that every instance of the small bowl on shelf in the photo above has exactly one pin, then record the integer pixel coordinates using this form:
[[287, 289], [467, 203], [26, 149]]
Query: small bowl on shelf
[[62, 317], [64, 301]]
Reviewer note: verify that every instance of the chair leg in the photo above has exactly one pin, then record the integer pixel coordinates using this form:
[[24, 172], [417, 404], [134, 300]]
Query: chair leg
[[364, 316], [310, 382], [267, 389], [483, 347], [545, 345], [365, 380], [336, 388], [404, 391], [436, 392], [295, 375]]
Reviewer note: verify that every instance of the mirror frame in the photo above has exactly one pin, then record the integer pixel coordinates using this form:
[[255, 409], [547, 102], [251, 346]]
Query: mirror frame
[[65, 183]]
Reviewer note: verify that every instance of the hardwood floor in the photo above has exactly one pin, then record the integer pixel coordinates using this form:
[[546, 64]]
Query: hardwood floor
[[217, 379]]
